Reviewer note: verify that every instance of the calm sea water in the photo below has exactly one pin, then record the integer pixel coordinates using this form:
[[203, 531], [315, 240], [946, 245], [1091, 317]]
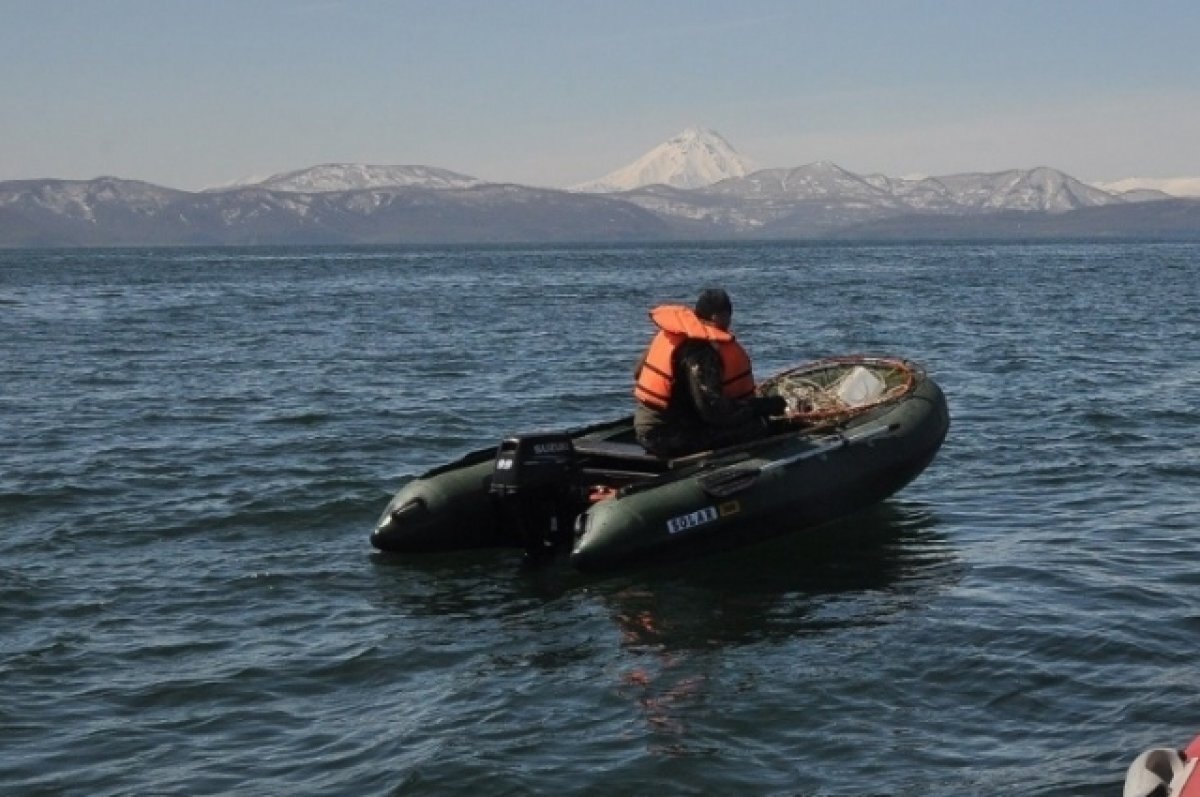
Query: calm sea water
[[194, 445]]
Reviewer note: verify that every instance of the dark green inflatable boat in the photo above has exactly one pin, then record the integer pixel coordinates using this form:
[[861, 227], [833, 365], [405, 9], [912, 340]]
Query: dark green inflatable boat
[[858, 429]]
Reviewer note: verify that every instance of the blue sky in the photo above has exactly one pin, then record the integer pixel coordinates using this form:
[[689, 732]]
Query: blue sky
[[195, 93]]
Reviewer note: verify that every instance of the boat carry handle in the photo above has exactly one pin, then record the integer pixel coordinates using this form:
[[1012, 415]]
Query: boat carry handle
[[736, 478], [829, 444]]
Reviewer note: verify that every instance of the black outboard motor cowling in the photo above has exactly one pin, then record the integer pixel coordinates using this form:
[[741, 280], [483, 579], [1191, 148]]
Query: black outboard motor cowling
[[534, 482]]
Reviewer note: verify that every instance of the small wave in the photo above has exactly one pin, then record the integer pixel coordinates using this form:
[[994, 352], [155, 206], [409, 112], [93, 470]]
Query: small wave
[[299, 419]]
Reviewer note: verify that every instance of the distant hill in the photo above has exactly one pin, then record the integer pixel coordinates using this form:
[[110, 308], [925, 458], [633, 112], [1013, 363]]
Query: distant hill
[[1171, 220], [354, 203], [334, 177], [1169, 186], [111, 212], [822, 198]]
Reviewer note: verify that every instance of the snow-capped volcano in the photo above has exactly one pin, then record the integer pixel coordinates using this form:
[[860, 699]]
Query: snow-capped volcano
[[693, 159], [331, 177]]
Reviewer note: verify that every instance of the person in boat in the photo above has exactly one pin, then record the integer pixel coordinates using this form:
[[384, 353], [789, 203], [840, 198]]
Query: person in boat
[[695, 385]]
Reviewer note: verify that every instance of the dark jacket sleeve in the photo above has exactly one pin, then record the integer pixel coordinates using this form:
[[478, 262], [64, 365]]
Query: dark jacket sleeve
[[700, 366]]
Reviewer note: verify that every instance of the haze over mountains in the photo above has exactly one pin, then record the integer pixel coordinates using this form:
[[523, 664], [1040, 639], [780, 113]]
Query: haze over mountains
[[694, 186]]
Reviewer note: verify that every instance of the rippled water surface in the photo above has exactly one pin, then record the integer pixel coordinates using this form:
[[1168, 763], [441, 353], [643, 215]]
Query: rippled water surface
[[196, 443]]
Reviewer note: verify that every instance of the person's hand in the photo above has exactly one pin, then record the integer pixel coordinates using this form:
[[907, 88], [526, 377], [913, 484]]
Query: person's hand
[[770, 406]]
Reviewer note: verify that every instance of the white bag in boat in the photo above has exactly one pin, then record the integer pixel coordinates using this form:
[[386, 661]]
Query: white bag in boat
[[859, 387]]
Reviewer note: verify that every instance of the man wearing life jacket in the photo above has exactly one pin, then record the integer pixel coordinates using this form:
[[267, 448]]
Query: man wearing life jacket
[[695, 386]]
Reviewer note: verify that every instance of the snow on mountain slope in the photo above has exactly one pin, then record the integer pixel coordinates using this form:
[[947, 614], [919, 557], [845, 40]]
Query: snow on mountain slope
[[1041, 189], [331, 177], [821, 180], [693, 159], [81, 199]]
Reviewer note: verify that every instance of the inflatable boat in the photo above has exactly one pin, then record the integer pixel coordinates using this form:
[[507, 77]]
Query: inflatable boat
[[857, 430], [1165, 772]]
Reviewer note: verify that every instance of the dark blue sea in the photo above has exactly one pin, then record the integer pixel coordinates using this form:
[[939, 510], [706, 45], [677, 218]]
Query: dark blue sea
[[195, 444]]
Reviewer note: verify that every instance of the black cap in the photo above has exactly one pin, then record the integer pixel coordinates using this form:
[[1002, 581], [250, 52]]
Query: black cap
[[711, 302]]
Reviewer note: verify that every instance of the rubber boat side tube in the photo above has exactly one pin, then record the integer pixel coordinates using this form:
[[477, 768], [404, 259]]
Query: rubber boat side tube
[[784, 487]]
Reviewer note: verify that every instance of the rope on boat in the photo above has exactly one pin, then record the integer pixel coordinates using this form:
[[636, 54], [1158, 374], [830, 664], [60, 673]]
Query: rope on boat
[[812, 390]]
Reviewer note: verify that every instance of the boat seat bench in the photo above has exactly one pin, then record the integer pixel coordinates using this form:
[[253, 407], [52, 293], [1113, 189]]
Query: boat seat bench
[[607, 448], [619, 459], [632, 455]]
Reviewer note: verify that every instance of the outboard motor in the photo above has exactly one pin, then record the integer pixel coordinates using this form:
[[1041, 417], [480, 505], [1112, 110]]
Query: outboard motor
[[534, 483]]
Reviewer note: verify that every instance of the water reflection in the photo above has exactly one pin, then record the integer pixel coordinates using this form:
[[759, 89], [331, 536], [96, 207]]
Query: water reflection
[[856, 572], [683, 628]]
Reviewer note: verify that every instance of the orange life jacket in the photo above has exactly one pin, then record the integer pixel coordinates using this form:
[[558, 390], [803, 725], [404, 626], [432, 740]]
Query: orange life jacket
[[676, 323]]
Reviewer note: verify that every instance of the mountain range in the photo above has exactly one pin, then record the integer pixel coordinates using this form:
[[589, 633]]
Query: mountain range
[[693, 187]]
